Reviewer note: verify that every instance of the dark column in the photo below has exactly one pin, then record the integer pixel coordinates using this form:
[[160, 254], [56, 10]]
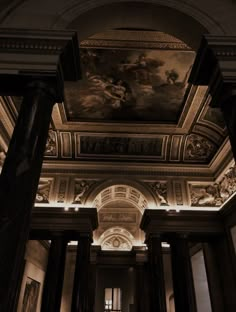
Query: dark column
[[53, 283], [139, 288], [18, 185], [92, 286], [182, 275], [224, 267], [80, 288], [156, 272], [213, 278]]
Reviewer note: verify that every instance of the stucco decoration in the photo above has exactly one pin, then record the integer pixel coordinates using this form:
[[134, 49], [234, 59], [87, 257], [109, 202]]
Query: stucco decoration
[[43, 192], [215, 194], [116, 238], [160, 191], [198, 148], [80, 190], [51, 149], [121, 192], [123, 145]]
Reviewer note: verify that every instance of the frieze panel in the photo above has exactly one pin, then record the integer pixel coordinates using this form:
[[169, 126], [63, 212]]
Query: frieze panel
[[51, 149], [214, 194], [123, 146], [160, 191], [66, 144], [43, 192], [81, 188], [62, 191], [198, 148], [178, 193], [117, 217]]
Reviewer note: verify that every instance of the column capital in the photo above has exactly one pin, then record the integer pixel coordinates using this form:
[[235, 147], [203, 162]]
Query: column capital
[[215, 66], [26, 55]]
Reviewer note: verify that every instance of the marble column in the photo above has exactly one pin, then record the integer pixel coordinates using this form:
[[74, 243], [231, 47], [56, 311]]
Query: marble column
[[156, 272], [80, 293], [18, 185], [182, 275], [53, 283]]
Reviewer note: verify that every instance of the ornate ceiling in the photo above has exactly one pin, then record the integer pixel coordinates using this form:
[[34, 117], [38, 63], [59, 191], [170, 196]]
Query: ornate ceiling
[[132, 134]]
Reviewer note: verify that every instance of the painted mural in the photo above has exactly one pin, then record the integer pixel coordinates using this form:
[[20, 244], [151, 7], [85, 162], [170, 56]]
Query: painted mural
[[134, 85]]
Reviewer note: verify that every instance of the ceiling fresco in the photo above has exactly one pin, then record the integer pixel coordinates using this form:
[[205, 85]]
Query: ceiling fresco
[[130, 85]]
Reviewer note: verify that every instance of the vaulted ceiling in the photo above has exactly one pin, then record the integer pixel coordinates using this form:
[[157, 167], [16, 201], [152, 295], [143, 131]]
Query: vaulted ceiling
[[133, 133]]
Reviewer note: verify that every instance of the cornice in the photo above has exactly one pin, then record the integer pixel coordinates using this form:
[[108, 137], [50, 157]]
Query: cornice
[[215, 65], [48, 221], [183, 222], [43, 55]]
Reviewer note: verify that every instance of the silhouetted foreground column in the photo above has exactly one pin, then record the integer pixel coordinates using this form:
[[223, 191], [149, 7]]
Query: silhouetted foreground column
[[41, 60], [182, 275], [80, 289], [224, 269], [156, 272], [19, 182], [53, 283], [142, 292], [215, 67]]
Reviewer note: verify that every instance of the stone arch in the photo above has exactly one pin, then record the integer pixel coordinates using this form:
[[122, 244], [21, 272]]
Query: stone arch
[[173, 16], [116, 238], [151, 14], [121, 189]]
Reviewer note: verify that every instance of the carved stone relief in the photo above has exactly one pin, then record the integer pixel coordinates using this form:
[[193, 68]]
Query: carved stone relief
[[42, 195], [117, 217], [116, 242], [121, 145], [198, 148], [51, 148], [116, 238], [80, 190], [160, 191], [214, 194]]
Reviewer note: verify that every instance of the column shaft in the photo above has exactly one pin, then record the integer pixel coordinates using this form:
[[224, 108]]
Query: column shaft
[[156, 272], [18, 186], [140, 298], [80, 288], [182, 276], [224, 266], [53, 283]]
